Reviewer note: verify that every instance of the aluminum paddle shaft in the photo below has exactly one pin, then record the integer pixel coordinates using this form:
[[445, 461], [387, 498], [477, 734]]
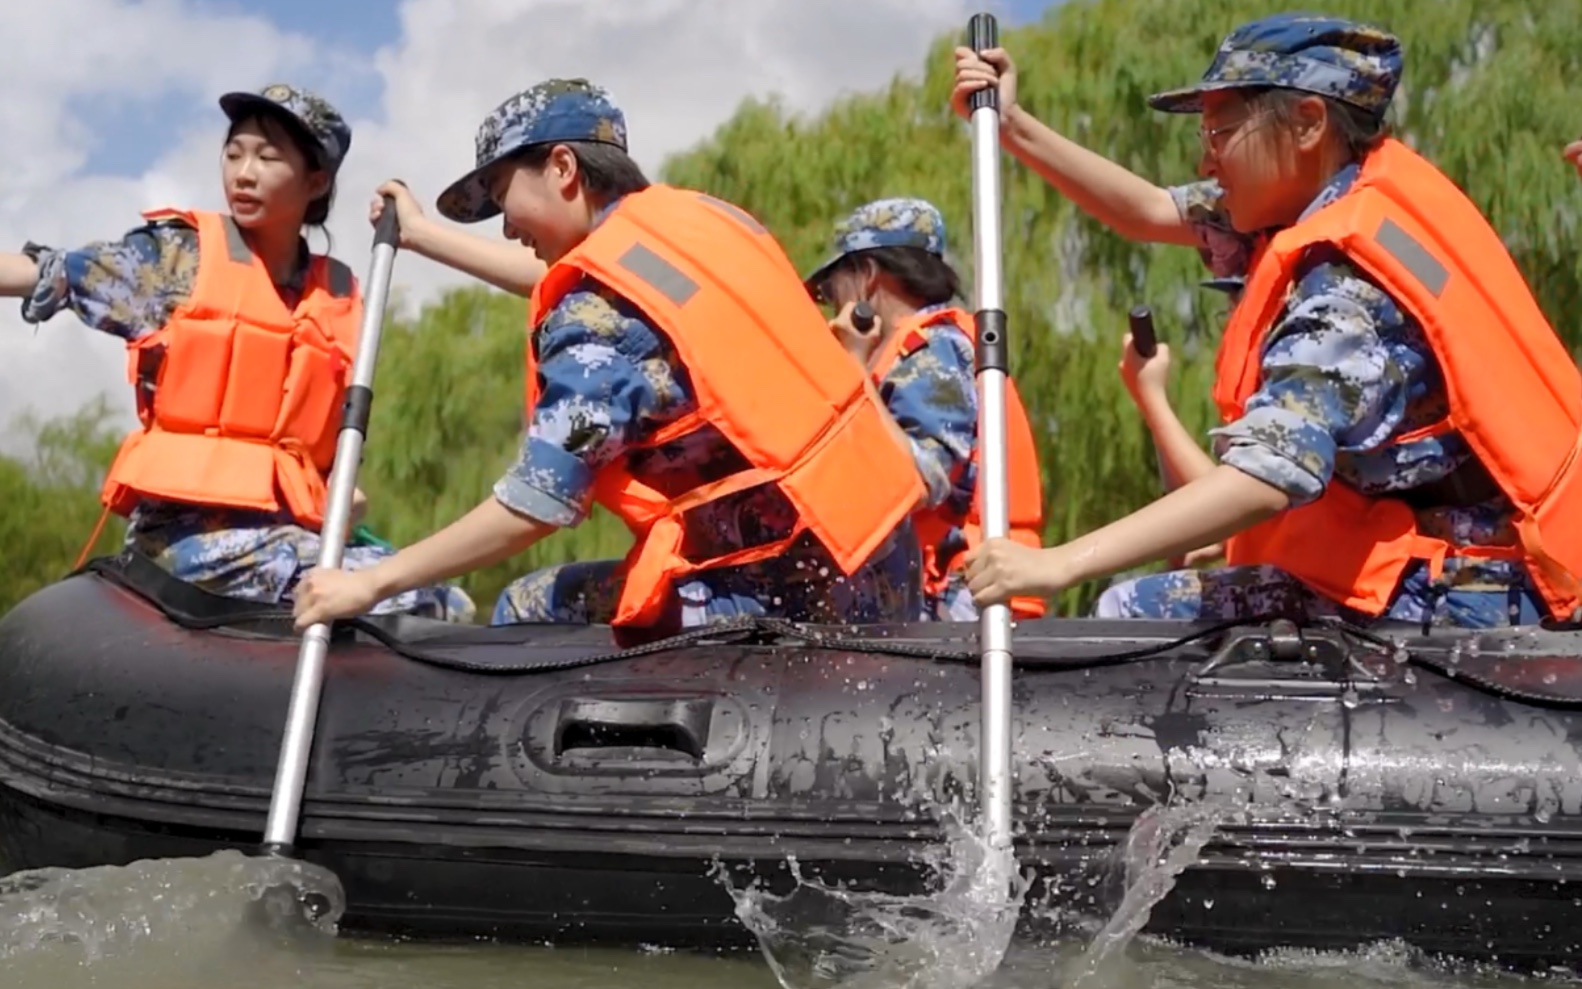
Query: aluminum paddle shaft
[[994, 745], [285, 803]]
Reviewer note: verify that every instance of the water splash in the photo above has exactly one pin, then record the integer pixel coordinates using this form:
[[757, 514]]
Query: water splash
[[174, 914], [1161, 843], [822, 937]]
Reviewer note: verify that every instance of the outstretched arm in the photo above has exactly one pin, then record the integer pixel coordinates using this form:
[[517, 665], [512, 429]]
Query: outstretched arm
[[507, 266]]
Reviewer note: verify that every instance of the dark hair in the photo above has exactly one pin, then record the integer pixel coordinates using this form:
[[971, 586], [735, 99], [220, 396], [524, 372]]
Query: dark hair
[[606, 171], [925, 276], [276, 125], [1360, 130]]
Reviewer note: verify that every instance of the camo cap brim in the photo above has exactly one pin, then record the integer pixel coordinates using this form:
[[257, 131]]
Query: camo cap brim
[[321, 121], [1327, 56], [551, 112]]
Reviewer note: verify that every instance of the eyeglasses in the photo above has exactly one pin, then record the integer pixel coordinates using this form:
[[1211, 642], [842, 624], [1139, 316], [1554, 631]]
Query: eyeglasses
[[1215, 139]]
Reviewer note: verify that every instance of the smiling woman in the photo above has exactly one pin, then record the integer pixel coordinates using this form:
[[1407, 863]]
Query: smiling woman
[[240, 340]]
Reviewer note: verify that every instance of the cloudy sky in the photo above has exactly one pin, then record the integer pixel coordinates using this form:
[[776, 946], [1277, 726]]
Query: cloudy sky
[[110, 108]]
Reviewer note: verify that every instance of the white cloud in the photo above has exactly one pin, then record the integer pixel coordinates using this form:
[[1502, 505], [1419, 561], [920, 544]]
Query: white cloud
[[677, 67]]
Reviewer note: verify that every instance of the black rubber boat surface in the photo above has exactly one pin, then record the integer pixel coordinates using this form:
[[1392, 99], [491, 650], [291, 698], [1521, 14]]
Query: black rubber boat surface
[[555, 783]]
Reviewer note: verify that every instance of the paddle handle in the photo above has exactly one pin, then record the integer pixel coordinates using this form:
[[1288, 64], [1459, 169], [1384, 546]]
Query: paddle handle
[[992, 358], [863, 318], [1144, 340], [285, 803]]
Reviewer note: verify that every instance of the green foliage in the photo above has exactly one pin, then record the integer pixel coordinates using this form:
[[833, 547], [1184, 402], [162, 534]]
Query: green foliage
[[1489, 94], [51, 500]]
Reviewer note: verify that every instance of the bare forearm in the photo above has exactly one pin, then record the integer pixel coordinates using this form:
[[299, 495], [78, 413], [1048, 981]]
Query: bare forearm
[[483, 537], [1216, 505], [1125, 202], [505, 265], [18, 275], [1181, 460]]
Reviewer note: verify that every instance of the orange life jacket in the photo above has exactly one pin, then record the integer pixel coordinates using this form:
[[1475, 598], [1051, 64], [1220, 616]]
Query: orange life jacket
[[765, 372], [1024, 488], [1514, 391], [239, 397]]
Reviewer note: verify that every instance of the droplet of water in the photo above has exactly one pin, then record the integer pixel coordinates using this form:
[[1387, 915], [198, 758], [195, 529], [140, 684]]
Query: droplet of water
[[1400, 655], [1208, 904], [1544, 814], [1410, 678], [1350, 698], [1268, 881], [1550, 678]]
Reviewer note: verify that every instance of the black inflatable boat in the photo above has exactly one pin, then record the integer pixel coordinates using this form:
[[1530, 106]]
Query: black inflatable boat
[[549, 783]]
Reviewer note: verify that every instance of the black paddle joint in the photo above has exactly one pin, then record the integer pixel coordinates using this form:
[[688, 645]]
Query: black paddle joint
[[992, 352]]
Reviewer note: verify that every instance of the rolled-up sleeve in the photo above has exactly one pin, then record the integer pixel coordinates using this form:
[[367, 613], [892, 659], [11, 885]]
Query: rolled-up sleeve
[[931, 395], [1328, 385], [1224, 251], [127, 288], [604, 374]]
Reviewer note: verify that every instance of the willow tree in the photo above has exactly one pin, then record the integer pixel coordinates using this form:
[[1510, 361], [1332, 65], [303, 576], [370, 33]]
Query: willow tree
[[1487, 93]]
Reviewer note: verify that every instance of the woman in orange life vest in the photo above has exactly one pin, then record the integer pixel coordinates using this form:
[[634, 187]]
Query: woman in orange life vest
[[1399, 418], [891, 254], [680, 376], [233, 328]]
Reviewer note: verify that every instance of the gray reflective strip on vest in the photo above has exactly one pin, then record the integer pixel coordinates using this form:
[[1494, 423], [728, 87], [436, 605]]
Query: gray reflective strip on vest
[[736, 211], [340, 278], [338, 274], [235, 245], [1413, 256], [671, 282]]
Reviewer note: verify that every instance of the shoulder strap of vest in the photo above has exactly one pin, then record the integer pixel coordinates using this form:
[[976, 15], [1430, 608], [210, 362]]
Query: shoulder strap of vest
[[334, 274], [911, 335], [215, 229], [1273, 270], [166, 214], [654, 206]]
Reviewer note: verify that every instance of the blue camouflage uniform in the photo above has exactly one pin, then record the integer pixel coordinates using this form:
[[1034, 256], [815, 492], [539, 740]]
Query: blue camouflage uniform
[[129, 288], [1345, 371], [931, 393], [608, 379]]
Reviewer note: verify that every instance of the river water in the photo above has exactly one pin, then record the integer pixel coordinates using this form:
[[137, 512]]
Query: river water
[[175, 924]]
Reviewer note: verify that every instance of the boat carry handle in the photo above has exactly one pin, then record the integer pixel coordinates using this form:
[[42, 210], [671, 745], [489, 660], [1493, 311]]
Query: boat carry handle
[[671, 724]]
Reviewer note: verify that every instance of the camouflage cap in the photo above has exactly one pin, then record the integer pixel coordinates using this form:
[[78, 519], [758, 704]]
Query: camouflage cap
[[886, 223], [1351, 62], [552, 111], [322, 122]]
